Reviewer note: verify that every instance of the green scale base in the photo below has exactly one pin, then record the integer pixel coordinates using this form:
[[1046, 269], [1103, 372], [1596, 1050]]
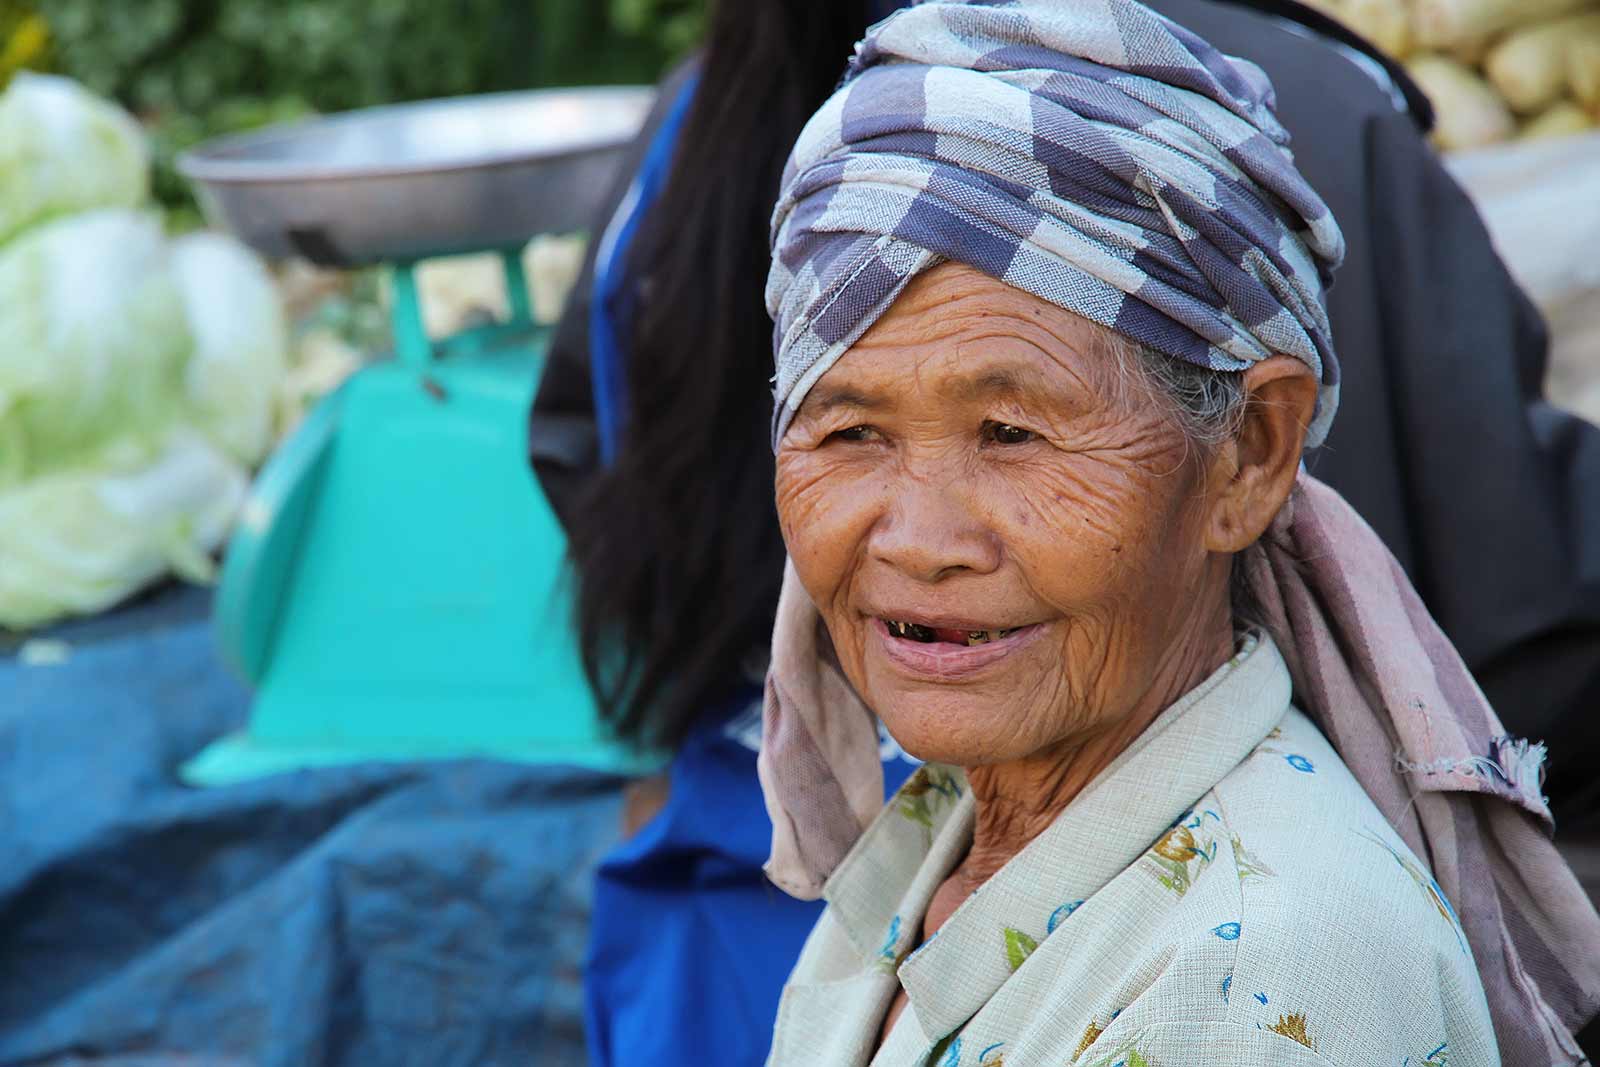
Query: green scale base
[[397, 586]]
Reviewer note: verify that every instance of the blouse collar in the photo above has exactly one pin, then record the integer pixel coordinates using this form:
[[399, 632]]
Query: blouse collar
[[882, 889]]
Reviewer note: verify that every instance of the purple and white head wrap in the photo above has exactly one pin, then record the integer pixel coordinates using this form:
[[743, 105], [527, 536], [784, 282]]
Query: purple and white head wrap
[[1092, 153]]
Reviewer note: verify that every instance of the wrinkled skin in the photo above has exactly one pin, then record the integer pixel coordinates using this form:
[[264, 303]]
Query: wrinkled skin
[[975, 458], [975, 462]]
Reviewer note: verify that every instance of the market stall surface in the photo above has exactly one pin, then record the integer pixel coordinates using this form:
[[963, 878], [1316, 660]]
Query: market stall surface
[[419, 913]]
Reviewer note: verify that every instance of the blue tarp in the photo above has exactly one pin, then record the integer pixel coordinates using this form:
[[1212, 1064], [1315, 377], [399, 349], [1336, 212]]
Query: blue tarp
[[396, 914]]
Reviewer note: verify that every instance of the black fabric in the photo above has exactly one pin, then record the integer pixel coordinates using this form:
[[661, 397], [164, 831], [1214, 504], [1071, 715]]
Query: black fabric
[[1488, 496], [1326, 26], [562, 454]]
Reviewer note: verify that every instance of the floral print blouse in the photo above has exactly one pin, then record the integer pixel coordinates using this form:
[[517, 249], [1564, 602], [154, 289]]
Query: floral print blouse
[[1224, 893]]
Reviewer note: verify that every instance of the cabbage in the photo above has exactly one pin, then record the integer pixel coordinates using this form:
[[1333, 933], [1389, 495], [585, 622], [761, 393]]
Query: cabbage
[[63, 149], [93, 338], [138, 378], [79, 540], [240, 345]]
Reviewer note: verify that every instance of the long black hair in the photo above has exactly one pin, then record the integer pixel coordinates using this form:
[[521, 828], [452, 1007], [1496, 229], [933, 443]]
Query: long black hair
[[676, 544]]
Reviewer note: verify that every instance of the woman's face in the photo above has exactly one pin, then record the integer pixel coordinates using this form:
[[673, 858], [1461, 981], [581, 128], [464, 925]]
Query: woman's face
[[1005, 541]]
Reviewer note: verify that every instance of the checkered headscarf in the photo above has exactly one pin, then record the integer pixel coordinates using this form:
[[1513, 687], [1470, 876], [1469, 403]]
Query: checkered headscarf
[[1092, 153]]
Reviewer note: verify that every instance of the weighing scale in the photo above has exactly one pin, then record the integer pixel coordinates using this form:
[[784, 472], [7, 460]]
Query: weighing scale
[[396, 588]]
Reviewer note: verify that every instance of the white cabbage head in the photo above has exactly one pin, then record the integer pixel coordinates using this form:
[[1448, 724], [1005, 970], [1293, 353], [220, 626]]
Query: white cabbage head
[[240, 354], [78, 540], [63, 150], [93, 338]]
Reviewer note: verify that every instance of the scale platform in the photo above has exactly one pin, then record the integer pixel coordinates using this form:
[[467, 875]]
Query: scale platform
[[397, 587]]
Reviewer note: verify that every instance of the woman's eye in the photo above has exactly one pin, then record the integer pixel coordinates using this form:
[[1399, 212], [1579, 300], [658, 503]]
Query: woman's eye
[[854, 433], [1003, 433]]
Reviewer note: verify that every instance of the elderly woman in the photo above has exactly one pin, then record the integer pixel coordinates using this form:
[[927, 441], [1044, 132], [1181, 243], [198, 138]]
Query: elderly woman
[[1050, 340]]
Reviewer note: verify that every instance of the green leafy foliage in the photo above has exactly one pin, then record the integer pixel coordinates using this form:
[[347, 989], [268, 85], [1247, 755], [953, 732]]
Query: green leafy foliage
[[337, 54], [675, 25], [24, 40]]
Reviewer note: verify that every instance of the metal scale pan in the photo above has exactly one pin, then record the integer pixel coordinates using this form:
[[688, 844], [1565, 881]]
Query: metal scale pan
[[399, 183]]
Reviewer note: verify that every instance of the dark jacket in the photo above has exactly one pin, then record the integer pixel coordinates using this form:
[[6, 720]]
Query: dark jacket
[[1488, 496]]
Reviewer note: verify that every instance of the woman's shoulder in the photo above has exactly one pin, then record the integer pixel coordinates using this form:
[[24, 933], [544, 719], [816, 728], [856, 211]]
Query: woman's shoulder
[[1285, 921], [1340, 939], [1312, 848], [1320, 866]]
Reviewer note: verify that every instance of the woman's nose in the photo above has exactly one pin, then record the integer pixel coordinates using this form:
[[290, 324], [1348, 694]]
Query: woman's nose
[[932, 531]]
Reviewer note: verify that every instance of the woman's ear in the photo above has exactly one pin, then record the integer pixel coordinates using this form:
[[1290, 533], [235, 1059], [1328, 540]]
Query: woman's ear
[[1252, 475]]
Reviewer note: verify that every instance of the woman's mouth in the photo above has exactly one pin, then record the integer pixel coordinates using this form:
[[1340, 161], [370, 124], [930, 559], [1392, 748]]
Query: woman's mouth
[[948, 653], [912, 631]]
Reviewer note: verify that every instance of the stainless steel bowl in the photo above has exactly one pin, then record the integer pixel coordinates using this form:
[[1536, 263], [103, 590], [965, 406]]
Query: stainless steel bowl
[[413, 180]]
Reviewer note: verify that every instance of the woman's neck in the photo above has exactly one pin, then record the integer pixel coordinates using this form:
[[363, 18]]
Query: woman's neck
[[1017, 800]]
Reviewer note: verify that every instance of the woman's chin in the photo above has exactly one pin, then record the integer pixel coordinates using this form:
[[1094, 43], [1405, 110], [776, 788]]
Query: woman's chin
[[980, 718], [960, 729]]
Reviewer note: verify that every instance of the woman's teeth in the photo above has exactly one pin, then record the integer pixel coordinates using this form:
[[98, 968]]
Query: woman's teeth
[[914, 632], [909, 629]]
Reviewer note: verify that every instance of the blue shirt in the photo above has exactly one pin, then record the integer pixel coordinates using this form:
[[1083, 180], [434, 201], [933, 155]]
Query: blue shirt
[[690, 944]]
